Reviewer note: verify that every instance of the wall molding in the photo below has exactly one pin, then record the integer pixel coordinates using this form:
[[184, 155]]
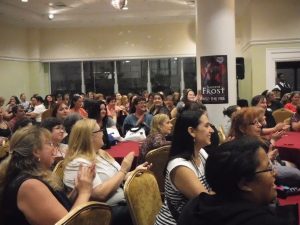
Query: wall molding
[[95, 58], [274, 55], [251, 43], [8, 58]]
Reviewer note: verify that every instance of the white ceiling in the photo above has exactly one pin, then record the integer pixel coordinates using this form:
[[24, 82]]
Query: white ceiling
[[79, 13], [89, 13]]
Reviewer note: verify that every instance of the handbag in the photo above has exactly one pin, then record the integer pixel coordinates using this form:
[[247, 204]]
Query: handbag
[[114, 133], [137, 134]]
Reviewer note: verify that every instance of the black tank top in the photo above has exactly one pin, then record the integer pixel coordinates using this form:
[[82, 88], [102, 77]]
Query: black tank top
[[10, 211], [5, 132]]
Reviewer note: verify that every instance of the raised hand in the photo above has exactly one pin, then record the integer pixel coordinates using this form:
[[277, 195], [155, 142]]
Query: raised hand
[[127, 162], [84, 180]]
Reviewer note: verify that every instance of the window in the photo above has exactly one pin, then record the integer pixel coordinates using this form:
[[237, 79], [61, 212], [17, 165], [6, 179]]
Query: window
[[99, 77], [132, 76], [65, 77], [189, 73], [165, 75]]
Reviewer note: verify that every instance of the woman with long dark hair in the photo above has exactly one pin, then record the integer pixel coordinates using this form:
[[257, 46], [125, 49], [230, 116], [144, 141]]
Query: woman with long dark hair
[[97, 110], [185, 176]]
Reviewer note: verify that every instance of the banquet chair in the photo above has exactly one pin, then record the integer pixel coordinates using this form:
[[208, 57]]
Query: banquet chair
[[221, 134], [281, 114], [159, 158], [4, 150], [46, 114], [143, 197], [173, 121], [59, 169], [90, 213]]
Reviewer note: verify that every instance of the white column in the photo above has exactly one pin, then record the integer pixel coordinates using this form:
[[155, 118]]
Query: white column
[[116, 85], [215, 28], [182, 84], [149, 87], [82, 79]]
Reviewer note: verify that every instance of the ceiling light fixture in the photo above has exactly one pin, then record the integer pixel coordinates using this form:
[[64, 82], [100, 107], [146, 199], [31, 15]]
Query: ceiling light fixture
[[24, 0], [119, 4], [50, 16]]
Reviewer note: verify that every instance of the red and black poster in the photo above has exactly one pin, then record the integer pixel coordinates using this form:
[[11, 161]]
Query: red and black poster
[[214, 79]]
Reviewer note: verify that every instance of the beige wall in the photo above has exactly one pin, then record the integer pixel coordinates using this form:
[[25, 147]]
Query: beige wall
[[270, 24], [118, 42], [21, 49], [14, 78]]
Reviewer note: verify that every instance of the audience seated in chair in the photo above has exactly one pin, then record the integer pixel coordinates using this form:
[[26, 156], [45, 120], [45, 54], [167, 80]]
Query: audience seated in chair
[[85, 144], [248, 122], [185, 176], [161, 126], [243, 179], [29, 193]]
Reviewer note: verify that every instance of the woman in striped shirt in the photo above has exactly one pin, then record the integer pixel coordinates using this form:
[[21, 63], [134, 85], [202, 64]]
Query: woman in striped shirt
[[185, 176]]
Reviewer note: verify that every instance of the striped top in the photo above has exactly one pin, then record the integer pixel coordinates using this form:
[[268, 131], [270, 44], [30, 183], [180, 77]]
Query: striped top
[[176, 200]]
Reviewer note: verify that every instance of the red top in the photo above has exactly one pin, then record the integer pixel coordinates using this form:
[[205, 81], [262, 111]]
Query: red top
[[290, 107]]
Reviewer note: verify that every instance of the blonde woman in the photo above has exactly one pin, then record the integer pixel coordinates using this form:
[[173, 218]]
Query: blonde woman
[[161, 126], [29, 193], [85, 144]]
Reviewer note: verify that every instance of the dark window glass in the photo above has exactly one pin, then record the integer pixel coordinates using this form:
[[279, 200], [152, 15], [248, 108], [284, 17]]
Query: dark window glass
[[189, 73], [132, 76], [65, 77], [165, 75], [99, 77]]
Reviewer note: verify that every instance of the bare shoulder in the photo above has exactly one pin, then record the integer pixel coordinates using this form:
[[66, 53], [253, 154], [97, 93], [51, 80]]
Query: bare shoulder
[[32, 187], [32, 183]]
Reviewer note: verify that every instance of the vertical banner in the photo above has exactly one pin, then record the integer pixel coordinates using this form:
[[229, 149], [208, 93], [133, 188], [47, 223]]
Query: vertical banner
[[214, 79]]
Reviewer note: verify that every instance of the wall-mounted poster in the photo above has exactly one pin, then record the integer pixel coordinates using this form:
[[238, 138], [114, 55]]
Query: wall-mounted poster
[[214, 79]]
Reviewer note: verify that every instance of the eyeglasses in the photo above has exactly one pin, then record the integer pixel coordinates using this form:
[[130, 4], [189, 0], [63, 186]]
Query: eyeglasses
[[97, 131], [269, 169]]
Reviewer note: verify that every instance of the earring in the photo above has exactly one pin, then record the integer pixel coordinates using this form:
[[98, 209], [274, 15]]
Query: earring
[[39, 159]]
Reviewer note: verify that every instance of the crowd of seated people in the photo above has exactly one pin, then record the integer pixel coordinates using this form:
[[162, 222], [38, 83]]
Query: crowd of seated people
[[77, 131]]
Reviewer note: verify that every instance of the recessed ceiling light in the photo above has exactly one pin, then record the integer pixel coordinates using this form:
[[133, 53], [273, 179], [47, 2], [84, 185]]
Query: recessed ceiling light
[[50, 16], [24, 0]]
